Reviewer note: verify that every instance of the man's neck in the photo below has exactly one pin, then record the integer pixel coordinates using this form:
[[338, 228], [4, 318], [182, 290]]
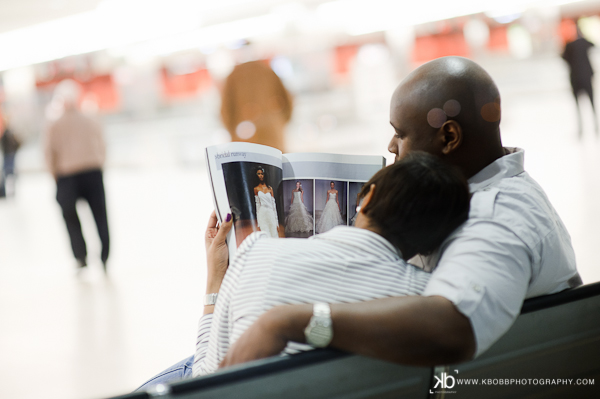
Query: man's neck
[[476, 165]]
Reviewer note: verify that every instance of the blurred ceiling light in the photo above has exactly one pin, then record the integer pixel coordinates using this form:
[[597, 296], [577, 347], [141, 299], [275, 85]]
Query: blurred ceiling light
[[210, 38], [507, 18], [358, 17], [117, 23], [166, 26]]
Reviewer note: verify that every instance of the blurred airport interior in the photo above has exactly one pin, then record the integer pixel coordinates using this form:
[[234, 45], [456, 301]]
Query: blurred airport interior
[[151, 72]]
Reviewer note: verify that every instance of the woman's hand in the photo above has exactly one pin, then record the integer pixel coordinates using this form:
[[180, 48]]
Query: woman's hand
[[217, 253]]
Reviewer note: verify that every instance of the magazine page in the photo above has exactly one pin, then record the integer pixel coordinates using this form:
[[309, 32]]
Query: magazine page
[[246, 181], [320, 191]]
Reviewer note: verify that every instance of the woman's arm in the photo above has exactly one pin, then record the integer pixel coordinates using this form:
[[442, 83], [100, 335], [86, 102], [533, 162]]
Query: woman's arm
[[337, 198], [217, 259], [217, 254]]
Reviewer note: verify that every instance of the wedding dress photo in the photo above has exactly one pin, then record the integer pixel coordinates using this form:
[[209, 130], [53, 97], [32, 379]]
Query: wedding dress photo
[[298, 219], [331, 215], [266, 213]]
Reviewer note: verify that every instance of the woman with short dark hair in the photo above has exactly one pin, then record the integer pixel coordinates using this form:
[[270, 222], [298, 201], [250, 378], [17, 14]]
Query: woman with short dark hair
[[407, 208]]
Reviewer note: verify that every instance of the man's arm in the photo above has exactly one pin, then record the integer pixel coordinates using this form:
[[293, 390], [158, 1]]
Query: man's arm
[[412, 330]]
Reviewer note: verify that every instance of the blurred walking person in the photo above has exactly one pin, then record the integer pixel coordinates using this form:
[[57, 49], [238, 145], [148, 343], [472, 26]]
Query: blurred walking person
[[581, 72], [75, 153], [255, 106], [10, 144]]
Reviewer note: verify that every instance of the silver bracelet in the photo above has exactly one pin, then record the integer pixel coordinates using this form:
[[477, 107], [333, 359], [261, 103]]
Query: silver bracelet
[[210, 299]]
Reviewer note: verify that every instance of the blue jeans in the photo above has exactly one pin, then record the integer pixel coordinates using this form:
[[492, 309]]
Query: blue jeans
[[177, 372], [8, 167]]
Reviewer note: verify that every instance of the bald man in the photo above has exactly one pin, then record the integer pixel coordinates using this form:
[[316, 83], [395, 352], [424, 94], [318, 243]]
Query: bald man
[[514, 246]]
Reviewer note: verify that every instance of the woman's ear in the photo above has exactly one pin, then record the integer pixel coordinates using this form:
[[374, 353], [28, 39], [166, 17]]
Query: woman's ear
[[367, 198]]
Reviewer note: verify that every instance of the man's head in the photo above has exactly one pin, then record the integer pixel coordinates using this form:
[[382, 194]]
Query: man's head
[[449, 107], [68, 92], [415, 203]]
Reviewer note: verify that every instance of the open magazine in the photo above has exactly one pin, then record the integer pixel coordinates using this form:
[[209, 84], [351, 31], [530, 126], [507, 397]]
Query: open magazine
[[285, 195]]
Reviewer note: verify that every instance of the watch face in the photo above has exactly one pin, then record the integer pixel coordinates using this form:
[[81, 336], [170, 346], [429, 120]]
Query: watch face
[[319, 332], [320, 338]]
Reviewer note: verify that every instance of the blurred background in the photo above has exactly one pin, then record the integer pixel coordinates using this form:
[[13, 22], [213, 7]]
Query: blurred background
[[151, 71]]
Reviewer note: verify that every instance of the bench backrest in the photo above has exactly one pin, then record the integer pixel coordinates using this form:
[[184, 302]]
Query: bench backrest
[[555, 337]]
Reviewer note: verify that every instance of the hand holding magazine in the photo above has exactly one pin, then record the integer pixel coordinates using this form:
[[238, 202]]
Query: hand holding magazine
[[285, 195]]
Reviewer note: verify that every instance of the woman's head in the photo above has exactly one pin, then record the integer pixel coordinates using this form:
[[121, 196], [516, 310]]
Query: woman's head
[[260, 173], [416, 203], [298, 186], [332, 185]]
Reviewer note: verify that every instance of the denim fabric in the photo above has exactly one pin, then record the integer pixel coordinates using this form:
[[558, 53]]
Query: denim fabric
[[9, 164], [177, 372]]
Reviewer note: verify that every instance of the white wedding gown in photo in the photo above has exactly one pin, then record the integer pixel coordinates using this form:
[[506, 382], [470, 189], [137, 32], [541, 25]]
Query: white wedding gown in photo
[[266, 213], [298, 220], [331, 215]]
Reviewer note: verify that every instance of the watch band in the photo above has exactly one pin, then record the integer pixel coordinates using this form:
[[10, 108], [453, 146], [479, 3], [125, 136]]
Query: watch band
[[210, 299], [321, 309]]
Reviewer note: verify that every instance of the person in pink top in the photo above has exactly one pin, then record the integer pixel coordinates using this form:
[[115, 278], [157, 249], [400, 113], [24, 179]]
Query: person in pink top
[[75, 152]]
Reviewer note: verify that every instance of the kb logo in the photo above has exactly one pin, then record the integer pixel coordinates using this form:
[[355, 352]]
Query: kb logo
[[442, 381]]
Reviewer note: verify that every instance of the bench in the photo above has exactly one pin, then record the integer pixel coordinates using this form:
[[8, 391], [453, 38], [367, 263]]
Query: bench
[[556, 338]]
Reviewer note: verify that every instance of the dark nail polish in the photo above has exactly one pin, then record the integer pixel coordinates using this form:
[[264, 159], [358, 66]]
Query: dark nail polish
[[228, 218]]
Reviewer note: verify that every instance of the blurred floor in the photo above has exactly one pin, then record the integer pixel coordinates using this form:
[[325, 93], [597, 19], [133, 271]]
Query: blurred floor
[[67, 337]]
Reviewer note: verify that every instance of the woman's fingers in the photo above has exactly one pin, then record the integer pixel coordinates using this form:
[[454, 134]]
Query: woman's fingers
[[224, 228], [212, 220]]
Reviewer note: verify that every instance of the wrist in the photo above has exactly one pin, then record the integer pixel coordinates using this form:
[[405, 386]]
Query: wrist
[[213, 282], [213, 287], [288, 321]]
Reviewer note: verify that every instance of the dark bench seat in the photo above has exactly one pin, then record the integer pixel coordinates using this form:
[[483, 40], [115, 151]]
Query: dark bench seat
[[555, 337]]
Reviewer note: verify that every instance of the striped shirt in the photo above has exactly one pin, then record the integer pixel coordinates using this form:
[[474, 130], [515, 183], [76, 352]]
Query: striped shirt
[[346, 264]]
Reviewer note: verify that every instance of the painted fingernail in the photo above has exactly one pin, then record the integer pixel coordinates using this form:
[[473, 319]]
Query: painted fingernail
[[228, 218]]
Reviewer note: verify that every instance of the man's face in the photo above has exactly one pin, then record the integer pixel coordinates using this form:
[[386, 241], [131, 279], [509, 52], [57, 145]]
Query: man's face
[[411, 131]]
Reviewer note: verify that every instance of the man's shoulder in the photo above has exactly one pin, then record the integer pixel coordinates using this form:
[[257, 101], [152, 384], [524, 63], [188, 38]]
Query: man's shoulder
[[518, 203]]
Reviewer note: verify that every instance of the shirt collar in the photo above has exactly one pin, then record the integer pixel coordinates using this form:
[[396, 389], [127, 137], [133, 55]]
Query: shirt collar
[[363, 240], [509, 165]]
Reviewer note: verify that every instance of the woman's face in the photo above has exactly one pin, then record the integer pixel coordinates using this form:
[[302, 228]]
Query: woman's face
[[298, 185], [261, 175], [332, 184]]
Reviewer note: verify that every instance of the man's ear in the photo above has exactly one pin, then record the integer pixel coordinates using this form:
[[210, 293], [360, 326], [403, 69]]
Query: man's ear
[[451, 135]]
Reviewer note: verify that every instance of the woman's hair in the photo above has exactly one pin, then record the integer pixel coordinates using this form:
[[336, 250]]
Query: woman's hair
[[299, 188], [418, 201]]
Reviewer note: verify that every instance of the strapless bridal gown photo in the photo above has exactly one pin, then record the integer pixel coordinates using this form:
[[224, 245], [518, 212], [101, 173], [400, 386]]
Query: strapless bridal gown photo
[[266, 213], [298, 219], [331, 215]]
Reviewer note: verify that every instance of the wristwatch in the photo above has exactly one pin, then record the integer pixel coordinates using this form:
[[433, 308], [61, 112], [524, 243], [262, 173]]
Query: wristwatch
[[319, 331]]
